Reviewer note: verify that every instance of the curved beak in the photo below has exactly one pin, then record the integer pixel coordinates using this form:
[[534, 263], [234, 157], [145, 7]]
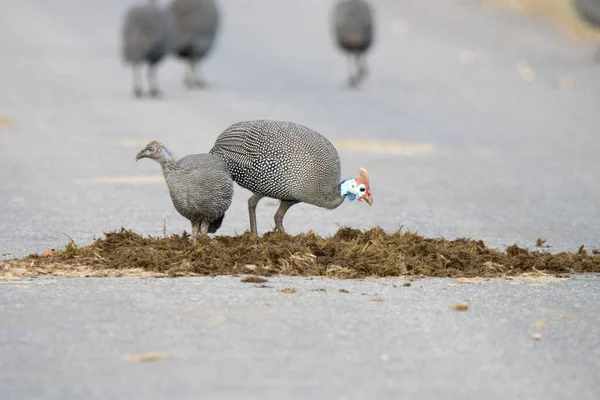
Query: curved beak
[[369, 200], [140, 155]]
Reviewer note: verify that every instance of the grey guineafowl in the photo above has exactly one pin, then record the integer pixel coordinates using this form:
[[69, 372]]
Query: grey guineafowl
[[145, 40], [353, 30], [589, 11], [286, 161], [199, 184], [195, 24]]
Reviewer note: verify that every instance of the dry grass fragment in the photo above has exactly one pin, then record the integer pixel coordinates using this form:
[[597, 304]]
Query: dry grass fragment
[[254, 279], [290, 289], [406, 284], [539, 324], [145, 357], [344, 291], [468, 281], [376, 299], [349, 254], [320, 290], [460, 306]]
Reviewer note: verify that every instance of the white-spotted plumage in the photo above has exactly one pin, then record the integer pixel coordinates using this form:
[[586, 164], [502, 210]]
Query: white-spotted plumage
[[286, 161]]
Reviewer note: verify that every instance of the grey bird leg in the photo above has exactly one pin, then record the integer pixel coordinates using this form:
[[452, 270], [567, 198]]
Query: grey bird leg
[[195, 229], [204, 228], [361, 67], [351, 77], [283, 207], [191, 78], [252, 202], [152, 82], [137, 81]]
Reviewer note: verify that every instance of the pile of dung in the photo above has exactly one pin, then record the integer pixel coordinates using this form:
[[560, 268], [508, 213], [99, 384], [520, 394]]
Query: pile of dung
[[350, 253]]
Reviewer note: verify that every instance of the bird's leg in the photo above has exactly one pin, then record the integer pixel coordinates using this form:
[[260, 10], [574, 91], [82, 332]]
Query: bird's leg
[[152, 82], [195, 228], [137, 81], [252, 202], [351, 78], [192, 79], [204, 228], [361, 66], [280, 213]]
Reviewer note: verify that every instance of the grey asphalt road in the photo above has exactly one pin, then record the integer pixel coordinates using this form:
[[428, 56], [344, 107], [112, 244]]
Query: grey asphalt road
[[472, 123], [223, 339]]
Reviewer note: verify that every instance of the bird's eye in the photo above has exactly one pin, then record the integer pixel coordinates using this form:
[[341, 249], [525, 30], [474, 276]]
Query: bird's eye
[[151, 148], [362, 189]]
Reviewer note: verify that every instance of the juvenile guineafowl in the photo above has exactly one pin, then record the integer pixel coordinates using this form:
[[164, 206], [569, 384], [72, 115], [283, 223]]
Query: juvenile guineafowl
[[145, 40], [286, 161], [196, 23], [589, 11], [199, 184], [353, 30]]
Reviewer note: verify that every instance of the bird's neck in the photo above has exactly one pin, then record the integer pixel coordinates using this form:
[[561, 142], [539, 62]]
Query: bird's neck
[[338, 194], [168, 161]]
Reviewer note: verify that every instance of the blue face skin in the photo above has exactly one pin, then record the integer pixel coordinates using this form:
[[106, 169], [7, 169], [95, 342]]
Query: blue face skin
[[345, 189]]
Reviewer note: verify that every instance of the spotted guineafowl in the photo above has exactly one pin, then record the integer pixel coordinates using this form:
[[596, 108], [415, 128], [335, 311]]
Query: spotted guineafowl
[[353, 31], [199, 184], [589, 11], [145, 40], [196, 24], [286, 161]]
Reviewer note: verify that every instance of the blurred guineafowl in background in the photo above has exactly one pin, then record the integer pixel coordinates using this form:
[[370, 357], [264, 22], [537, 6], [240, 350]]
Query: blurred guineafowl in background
[[353, 30], [286, 161], [196, 23], [589, 11], [199, 184], [145, 40]]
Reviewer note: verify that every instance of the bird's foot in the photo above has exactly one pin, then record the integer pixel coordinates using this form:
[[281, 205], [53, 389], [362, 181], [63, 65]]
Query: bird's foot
[[353, 82], [155, 92], [138, 92], [195, 83]]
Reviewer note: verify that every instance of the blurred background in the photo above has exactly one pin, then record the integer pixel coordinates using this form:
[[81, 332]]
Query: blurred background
[[477, 118]]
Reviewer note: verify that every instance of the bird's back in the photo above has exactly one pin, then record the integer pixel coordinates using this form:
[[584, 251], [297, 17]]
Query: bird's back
[[589, 10], [196, 23], [353, 25], [280, 159], [201, 187], [145, 34]]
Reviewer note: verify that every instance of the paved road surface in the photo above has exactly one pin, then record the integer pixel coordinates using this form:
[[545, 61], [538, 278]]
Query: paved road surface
[[67, 339], [492, 120]]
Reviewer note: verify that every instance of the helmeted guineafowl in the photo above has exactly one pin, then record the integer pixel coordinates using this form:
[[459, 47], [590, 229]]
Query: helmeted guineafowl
[[200, 186], [286, 161], [353, 30], [145, 40], [589, 11], [195, 24]]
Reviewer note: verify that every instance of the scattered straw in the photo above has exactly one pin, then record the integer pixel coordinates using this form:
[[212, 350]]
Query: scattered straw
[[254, 279], [349, 254], [145, 357], [460, 306]]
